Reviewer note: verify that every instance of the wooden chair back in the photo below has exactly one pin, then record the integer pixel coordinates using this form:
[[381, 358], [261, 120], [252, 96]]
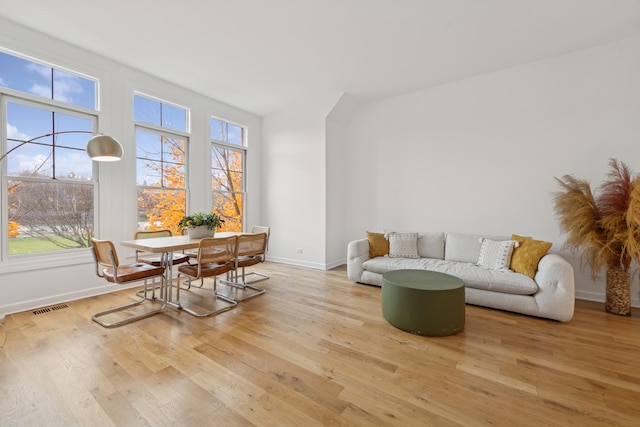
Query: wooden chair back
[[217, 250], [152, 234], [216, 255], [252, 245], [262, 229], [147, 257], [105, 254]]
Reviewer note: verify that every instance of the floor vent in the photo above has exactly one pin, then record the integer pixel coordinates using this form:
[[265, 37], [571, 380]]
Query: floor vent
[[49, 309]]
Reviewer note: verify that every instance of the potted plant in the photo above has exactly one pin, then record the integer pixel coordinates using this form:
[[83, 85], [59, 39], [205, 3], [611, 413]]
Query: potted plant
[[605, 227], [201, 224]]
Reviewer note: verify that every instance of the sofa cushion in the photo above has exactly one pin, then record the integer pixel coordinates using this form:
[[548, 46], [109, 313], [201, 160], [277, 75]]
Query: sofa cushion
[[496, 254], [473, 275], [490, 280], [465, 247], [383, 264], [378, 244], [462, 247], [403, 245], [431, 245], [526, 257]]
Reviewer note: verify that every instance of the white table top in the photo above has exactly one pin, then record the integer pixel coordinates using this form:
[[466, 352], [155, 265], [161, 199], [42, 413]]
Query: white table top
[[170, 244]]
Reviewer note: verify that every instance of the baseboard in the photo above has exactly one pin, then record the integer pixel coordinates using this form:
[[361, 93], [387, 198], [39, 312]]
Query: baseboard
[[600, 297], [297, 262], [589, 296], [60, 298], [336, 263]]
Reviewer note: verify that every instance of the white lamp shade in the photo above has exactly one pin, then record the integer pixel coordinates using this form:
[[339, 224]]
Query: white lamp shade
[[102, 148]]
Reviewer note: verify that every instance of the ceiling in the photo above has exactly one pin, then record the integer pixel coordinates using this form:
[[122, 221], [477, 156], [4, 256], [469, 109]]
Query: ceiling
[[267, 55]]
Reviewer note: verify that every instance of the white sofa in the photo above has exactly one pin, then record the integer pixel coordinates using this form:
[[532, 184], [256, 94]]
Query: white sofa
[[550, 294]]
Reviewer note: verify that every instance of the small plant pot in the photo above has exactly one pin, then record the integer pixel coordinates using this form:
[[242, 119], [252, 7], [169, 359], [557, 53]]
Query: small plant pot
[[200, 232]]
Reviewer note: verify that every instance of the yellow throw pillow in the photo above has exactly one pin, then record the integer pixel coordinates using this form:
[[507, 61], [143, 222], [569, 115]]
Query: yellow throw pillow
[[378, 244], [526, 257]]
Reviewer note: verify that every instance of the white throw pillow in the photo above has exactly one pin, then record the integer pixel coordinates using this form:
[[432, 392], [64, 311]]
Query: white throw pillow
[[431, 245], [403, 245], [496, 255], [462, 247]]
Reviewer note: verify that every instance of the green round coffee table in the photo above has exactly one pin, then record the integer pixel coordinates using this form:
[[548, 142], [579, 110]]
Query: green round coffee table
[[423, 302]]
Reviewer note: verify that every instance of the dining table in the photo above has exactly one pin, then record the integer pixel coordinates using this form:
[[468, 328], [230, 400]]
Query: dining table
[[167, 246]]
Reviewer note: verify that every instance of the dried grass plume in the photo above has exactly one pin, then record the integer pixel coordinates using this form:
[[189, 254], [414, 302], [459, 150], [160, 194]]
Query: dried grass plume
[[604, 227]]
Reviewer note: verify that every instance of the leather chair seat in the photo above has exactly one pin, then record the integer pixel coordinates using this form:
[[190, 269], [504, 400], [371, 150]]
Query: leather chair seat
[[207, 270], [132, 272]]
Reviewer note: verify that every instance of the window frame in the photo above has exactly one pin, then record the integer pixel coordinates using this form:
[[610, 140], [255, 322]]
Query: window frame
[[187, 118], [166, 132], [59, 257], [242, 148], [22, 94]]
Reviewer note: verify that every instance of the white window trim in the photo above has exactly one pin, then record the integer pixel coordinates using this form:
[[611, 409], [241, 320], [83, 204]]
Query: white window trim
[[13, 263]]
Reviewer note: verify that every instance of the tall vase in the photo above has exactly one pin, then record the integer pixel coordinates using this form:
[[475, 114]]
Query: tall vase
[[618, 300]]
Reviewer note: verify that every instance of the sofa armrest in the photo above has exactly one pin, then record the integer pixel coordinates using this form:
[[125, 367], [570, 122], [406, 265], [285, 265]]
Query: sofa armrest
[[556, 294], [357, 253]]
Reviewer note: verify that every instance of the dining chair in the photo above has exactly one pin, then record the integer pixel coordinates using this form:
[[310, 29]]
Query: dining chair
[[215, 256], [251, 251], [259, 229], [108, 267], [157, 260]]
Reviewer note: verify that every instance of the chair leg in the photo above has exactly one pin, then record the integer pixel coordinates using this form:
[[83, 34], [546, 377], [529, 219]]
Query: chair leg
[[220, 303], [243, 286], [98, 316], [189, 280], [163, 262], [143, 292], [255, 273]]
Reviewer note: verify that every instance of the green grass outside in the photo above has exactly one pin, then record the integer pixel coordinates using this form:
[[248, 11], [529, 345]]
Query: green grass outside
[[32, 245]]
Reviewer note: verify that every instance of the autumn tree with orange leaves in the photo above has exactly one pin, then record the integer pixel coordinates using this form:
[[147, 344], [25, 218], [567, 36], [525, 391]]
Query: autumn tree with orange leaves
[[164, 205], [227, 184]]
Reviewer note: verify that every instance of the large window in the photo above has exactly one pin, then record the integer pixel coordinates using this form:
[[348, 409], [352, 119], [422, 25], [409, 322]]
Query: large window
[[161, 143], [47, 178], [228, 155]]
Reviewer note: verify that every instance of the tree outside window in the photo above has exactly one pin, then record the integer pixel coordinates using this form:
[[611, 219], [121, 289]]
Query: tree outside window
[[227, 173], [160, 164]]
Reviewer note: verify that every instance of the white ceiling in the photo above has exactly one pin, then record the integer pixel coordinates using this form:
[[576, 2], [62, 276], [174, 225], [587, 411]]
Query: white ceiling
[[266, 55]]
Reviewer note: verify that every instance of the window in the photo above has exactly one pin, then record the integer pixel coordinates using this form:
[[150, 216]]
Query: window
[[160, 114], [161, 144], [47, 82], [227, 132], [47, 176], [228, 155]]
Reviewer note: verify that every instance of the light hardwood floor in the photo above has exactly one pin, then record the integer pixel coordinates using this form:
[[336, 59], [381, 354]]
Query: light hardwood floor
[[315, 350]]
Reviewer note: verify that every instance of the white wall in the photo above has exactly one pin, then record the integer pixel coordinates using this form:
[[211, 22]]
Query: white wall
[[294, 182], [34, 282], [336, 164], [335, 195], [480, 155]]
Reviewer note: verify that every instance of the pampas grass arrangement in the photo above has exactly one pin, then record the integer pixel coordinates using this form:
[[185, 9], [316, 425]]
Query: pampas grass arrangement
[[604, 227]]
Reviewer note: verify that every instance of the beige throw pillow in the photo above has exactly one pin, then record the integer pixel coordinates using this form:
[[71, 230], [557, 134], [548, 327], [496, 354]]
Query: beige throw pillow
[[403, 245], [496, 255]]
